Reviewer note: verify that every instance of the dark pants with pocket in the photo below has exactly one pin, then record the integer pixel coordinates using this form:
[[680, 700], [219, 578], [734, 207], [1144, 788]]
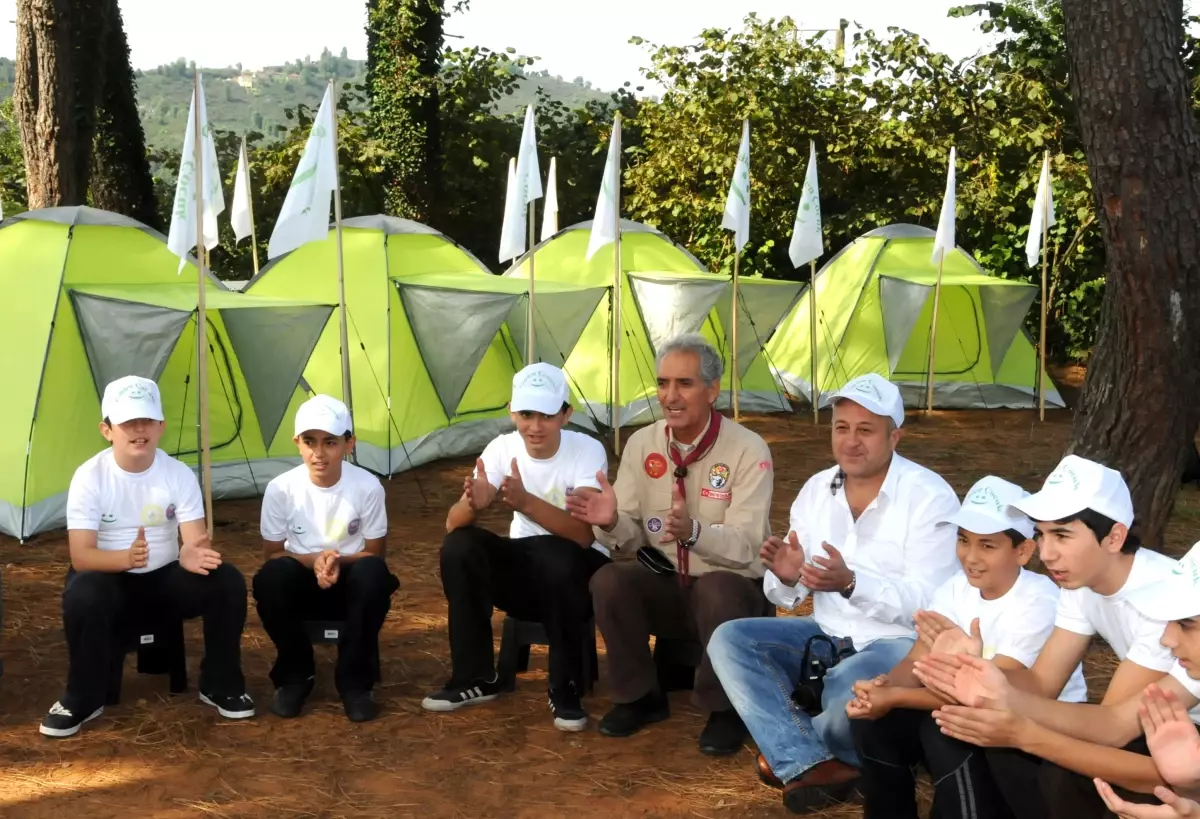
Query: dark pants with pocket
[[98, 605], [542, 579], [966, 778], [287, 595], [1069, 795]]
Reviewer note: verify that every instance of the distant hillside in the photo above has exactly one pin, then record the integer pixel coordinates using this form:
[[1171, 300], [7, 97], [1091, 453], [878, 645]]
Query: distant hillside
[[240, 98]]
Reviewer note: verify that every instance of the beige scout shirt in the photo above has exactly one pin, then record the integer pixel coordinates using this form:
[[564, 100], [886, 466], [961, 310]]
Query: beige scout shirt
[[728, 491]]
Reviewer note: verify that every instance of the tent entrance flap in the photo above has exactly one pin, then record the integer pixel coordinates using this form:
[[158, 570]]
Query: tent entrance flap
[[671, 307], [561, 318], [902, 303], [126, 338], [1004, 311], [761, 306], [273, 345], [453, 329]]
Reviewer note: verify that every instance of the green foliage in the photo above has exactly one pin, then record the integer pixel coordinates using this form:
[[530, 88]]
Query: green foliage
[[12, 162]]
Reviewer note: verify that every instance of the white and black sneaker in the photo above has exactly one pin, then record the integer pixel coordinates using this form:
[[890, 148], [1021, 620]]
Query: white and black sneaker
[[238, 706], [453, 696], [63, 722], [567, 708]]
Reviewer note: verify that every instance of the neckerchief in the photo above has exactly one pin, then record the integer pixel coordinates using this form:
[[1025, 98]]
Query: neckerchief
[[682, 462]]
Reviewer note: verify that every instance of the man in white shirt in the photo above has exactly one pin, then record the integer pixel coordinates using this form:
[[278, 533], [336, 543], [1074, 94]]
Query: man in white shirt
[[324, 531], [126, 509], [993, 608], [540, 572], [865, 542], [1083, 514]]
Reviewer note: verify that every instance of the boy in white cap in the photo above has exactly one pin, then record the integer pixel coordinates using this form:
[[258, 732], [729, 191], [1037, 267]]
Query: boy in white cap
[[539, 572], [1082, 514], [866, 543], [993, 608], [126, 509], [324, 531]]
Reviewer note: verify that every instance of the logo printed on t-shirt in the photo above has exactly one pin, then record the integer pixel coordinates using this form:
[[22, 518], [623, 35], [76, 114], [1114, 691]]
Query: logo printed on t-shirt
[[108, 517], [654, 525], [354, 526], [153, 514], [171, 512], [718, 476], [297, 529], [556, 498], [656, 465]]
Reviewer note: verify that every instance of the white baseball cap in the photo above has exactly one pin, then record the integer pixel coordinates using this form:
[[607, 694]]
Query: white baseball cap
[[539, 388], [324, 413], [131, 397], [1175, 596], [1077, 484], [876, 394], [987, 509]]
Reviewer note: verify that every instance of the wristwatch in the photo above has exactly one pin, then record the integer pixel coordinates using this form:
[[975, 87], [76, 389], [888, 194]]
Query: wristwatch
[[690, 542], [849, 590]]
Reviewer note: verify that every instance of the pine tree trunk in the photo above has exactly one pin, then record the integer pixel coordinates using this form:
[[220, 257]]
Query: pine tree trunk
[[1140, 411], [121, 181]]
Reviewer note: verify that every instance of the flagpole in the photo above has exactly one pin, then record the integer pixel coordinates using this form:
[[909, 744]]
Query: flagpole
[[937, 294], [733, 376], [529, 339], [1041, 384], [812, 344], [250, 205], [614, 413], [201, 312], [347, 396]]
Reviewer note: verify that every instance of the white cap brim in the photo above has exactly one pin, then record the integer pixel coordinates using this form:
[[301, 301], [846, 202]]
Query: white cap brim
[[1050, 505], [870, 405], [530, 401], [1168, 599], [988, 524], [130, 412]]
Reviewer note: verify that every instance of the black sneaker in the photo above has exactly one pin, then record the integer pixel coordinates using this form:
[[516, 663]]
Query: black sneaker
[[63, 722], [453, 697], [238, 706], [723, 734], [627, 719], [360, 706], [567, 708], [289, 699]]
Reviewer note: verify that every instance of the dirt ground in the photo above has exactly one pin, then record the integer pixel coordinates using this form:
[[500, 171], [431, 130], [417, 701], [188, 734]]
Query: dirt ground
[[160, 756]]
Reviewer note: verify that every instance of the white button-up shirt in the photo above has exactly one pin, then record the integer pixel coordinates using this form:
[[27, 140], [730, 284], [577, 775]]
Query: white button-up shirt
[[897, 550]]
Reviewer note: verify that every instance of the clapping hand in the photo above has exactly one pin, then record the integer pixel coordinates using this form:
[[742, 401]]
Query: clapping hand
[[956, 641], [595, 508], [327, 567], [966, 679], [785, 559], [139, 550], [198, 556], [1173, 806], [678, 525], [826, 574], [512, 489], [477, 490], [1171, 737]]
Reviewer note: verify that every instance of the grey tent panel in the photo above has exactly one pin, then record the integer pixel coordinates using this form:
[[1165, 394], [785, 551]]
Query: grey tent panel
[[273, 345], [670, 307], [1004, 310], [453, 329], [126, 338], [390, 225], [560, 320], [902, 304], [760, 309], [901, 230]]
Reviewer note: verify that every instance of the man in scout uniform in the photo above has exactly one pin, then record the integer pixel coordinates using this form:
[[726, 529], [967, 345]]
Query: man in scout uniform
[[690, 503]]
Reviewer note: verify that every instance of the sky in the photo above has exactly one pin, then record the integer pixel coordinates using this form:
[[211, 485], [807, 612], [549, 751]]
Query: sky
[[573, 38]]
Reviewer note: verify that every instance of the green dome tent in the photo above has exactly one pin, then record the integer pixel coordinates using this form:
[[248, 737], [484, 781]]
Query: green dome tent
[[665, 291], [94, 296], [874, 309], [432, 349]]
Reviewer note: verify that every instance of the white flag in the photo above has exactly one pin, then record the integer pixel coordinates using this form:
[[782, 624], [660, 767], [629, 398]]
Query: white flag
[[182, 235], [506, 224], [550, 215], [737, 203], [240, 215], [528, 188], [808, 242], [604, 223], [1043, 210], [943, 243], [304, 216]]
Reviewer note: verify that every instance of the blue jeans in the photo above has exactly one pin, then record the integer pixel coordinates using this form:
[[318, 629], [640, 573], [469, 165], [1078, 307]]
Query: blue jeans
[[758, 661]]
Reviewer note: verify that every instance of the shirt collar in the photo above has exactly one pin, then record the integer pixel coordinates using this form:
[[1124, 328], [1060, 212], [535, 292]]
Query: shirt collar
[[683, 448]]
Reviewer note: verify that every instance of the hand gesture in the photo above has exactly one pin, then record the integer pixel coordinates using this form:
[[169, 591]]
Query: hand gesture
[[476, 489], [872, 698], [972, 681], [1172, 738], [512, 489], [1173, 806], [139, 550], [826, 574], [327, 567], [595, 508], [929, 624], [678, 525], [198, 557], [956, 641], [785, 559]]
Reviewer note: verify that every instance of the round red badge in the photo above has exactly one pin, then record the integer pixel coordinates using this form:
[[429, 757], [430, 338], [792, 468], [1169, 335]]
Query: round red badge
[[656, 465]]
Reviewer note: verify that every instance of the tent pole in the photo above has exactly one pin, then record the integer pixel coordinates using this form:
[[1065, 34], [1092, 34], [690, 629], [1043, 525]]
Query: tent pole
[[201, 315], [529, 331], [1041, 383], [937, 293], [733, 376], [814, 392]]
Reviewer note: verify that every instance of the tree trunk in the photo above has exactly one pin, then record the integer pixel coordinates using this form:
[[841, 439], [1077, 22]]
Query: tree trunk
[[120, 179], [1140, 411]]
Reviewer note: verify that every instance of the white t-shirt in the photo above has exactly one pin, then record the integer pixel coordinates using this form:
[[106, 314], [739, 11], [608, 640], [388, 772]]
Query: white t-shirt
[[574, 466], [112, 502], [310, 518], [1130, 634], [1015, 625]]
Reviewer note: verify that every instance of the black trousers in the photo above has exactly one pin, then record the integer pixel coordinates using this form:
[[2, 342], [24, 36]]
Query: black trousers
[[287, 594], [1070, 795], [964, 776], [96, 604], [542, 579]]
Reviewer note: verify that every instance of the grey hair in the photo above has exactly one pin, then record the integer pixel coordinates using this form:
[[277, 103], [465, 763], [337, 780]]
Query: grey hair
[[711, 365]]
